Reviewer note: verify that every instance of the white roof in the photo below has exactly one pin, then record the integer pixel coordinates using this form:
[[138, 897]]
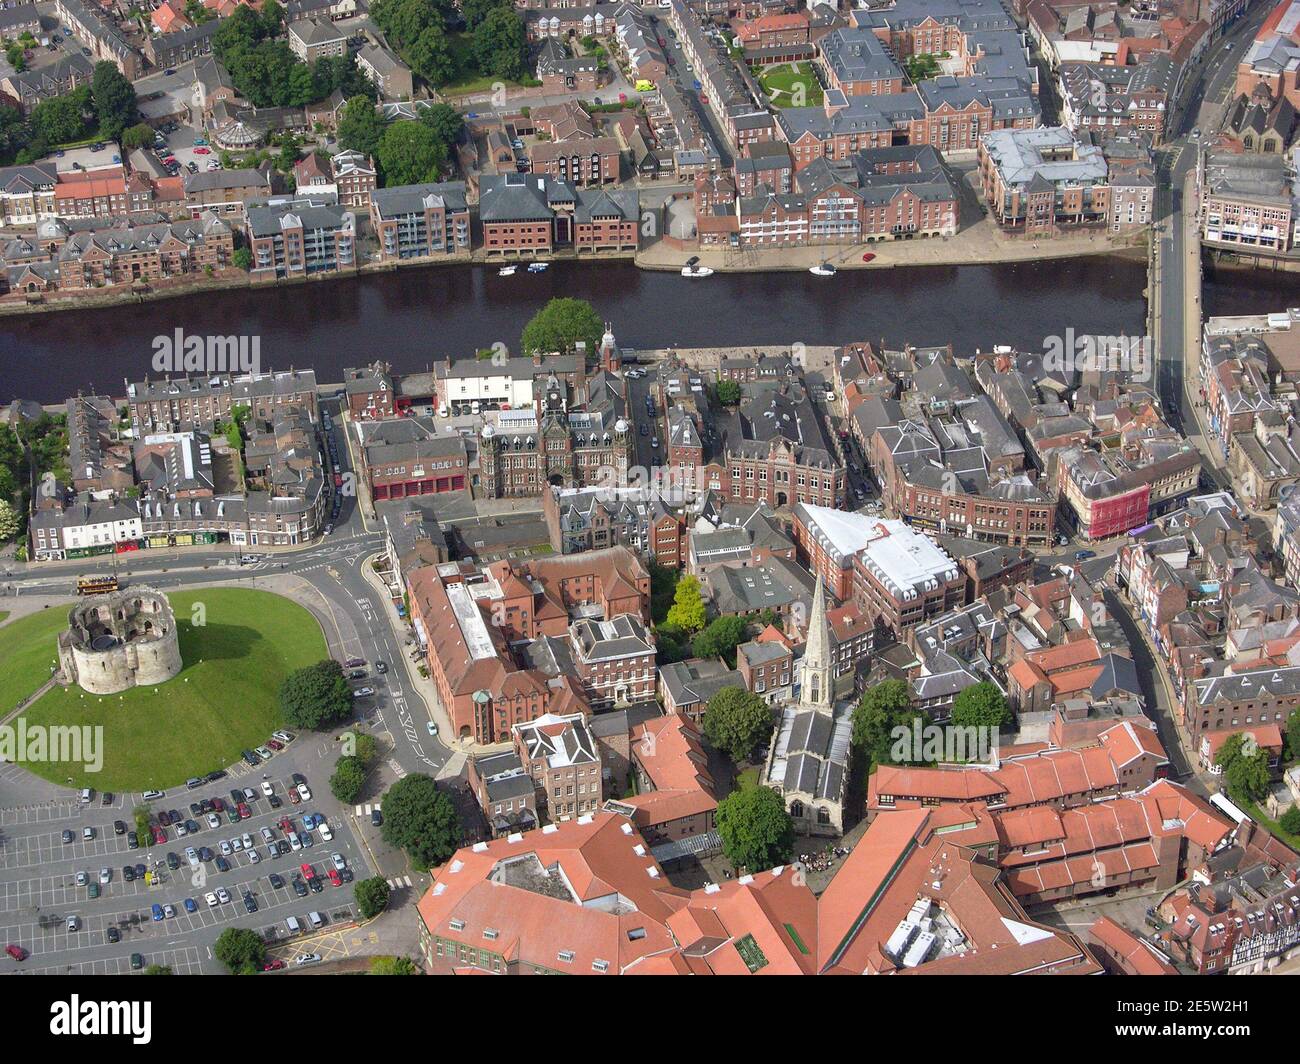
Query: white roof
[[474, 630]]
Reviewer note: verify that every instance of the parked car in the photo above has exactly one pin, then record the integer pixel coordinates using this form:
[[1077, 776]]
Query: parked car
[[16, 952]]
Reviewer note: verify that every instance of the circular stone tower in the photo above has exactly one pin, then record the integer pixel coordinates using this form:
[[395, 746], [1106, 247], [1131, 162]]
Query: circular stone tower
[[120, 640]]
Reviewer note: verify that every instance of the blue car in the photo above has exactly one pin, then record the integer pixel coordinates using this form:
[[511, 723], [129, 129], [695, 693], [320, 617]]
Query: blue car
[[157, 911], [191, 906], [223, 865]]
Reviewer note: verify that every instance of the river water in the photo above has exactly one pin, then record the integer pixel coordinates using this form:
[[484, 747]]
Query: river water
[[411, 317]]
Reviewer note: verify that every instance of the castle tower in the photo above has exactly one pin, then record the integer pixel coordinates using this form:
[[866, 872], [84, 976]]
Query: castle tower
[[816, 669]]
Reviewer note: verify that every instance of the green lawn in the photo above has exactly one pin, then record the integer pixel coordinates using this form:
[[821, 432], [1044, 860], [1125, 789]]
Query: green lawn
[[27, 649], [225, 699], [780, 82], [467, 79]]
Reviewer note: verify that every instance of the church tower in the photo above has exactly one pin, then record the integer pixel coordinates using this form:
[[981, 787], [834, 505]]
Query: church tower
[[816, 670]]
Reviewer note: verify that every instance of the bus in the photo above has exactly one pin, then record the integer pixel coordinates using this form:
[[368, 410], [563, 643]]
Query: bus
[[96, 585]]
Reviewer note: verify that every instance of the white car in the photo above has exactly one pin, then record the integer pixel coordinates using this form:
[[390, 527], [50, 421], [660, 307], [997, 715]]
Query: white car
[[267, 789], [226, 848], [253, 855], [294, 842], [211, 899], [283, 736], [303, 792], [236, 845], [192, 855], [306, 958], [265, 753], [247, 840], [105, 875], [181, 830], [214, 821], [223, 895], [83, 878], [339, 863], [267, 834], [325, 831]]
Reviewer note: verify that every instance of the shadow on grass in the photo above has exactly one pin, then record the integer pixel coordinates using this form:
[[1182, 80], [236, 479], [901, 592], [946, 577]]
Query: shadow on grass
[[216, 642]]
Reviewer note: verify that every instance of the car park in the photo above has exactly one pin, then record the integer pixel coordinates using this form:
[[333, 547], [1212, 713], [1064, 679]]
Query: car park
[[83, 878], [139, 871], [265, 753], [173, 862], [92, 891], [16, 952], [273, 966], [294, 799], [267, 834], [244, 811]]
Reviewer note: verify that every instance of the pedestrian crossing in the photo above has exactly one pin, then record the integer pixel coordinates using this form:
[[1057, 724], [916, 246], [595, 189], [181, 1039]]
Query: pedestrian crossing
[[398, 882], [366, 810]]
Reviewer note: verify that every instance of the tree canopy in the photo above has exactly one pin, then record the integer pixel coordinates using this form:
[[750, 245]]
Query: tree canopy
[[560, 324], [372, 896], [348, 780], [980, 706], [114, 100], [361, 126], [756, 830], [720, 638], [687, 610], [410, 154], [316, 696], [241, 950], [737, 722], [882, 708], [421, 819]]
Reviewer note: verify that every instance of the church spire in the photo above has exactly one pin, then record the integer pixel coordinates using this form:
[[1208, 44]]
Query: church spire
[[816, 672]]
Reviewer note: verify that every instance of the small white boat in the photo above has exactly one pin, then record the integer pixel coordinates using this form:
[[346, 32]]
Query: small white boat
[[824, 270], [537, 267], [694, 269], [507, 271]]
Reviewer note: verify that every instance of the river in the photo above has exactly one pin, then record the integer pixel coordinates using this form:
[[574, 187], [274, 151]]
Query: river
[[412, 316]]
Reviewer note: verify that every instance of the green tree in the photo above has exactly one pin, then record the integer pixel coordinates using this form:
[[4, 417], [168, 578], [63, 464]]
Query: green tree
[[1248, 776], [159, 969], [499, 44], [349, 780], [475, 11], [687, 610], [393, 966], [242, 259], [316, 697], [1290, 822], [980, 706], [61, 119], [560, 324], [1230, 752], [140, 816], [272, 18], [114, 100], [431, 57], [372, 896], [728, 392], [421, 819], [1293, 736], [137, 136], [409, 154], [737, 722], [720, 639], [882, 708], [756, 830], [366, 749], [240, 950], [9, 523], [361, 127], [446, 123]]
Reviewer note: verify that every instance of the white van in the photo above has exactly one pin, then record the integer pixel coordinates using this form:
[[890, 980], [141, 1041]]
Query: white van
[[317, 921], [291, 922], [86, 794]]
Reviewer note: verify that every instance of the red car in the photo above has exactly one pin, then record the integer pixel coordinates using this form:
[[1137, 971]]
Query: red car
[[335, 878], [275, 744], [285, 825], [868, 256], [202, 151], [159, 836], [273, 966], [308, 873], [244, 811], [16, 952], [218, 805], [294, 797]]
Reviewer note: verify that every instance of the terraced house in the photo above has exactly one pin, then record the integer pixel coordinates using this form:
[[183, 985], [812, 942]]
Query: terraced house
[[420, 221], [299, 241]]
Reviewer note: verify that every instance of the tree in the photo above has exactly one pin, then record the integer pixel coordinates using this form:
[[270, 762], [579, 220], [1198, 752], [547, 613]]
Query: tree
[[687, 610], [272, 18], [136, 136], [114, 100], [60, 119], [1248, 776], [1293, 736], [475, 11], [240, 950], [720, 639], [159, 969], [393, 966], [431, 57], [372, 896], [316, 697], [421, 819], [409, 154], [499, 44], [1230, 752], [737, 722], [756, 830], [882, 708], [242, 259], [8, 520], [446, 122], [361, 127], [348, 780], [559, 326], [1290, 822], [980, 706], [728, 392], [404, 20]]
